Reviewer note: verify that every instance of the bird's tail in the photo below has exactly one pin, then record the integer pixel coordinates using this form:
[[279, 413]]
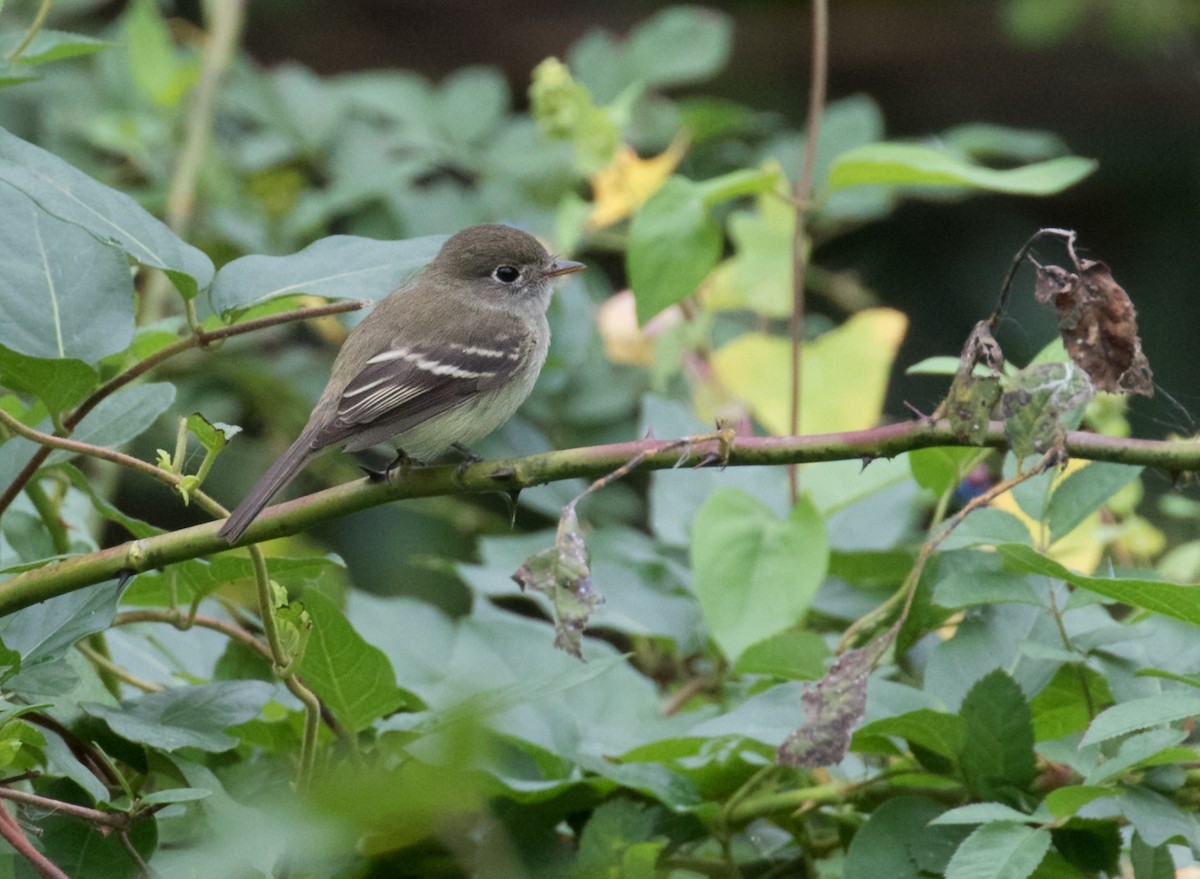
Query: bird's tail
[[273, 481]]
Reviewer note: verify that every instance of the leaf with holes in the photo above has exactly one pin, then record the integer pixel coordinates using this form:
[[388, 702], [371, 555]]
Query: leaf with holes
[[1042, 403]]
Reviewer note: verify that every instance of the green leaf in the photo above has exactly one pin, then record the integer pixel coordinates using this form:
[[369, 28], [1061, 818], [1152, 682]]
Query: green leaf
[[987, 527], [613, 829], [1088, 845], [1066, 801], [175, 795], [1159, 819], [78, 848], [1150, 862], [997, 758], [793, 654], [903, 164], [968, 578], [187, 581], [940, 469], [1063, 706], [47, 630], [673, 245], [471, 103], [981, 140], [15, 74], [935, 731], [500, 699], [1003, 850], [755, 574], [1154, 747], [110, 216], [1083, 492], [120, 417], [679, 45], [353, 678], [886, 844], [1139, 714], [187, 717], [983, 813], [156, 72], [758, 277], [337, 267], [214, 436], [940, 365], [62, 292], [60, 384], [1175, 600], [51, 45]]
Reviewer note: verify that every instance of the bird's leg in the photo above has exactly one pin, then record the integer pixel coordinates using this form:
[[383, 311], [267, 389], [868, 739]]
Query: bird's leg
[[401, 462], [468, 458]]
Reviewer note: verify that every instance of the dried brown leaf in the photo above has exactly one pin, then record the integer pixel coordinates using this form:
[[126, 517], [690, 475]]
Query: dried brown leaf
[[1098, 326], [833, 706], [562, 574]]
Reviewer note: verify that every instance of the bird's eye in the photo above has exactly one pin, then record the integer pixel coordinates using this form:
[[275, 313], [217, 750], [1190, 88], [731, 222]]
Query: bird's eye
[[506, 274]]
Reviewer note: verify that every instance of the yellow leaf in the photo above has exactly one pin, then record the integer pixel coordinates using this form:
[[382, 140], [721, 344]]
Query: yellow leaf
[[623, 186], [844, 373]]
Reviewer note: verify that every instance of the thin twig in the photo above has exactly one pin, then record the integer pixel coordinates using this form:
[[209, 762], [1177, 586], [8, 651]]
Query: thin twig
[[1019, 257], [135, 854], [39, 19], [816, 105], [684, 694], [116, 820], [49, 441], [121, 674], [181, 621], [50, 517]]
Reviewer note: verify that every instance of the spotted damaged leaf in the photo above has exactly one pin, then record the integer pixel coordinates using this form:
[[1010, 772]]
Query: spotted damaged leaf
[[561, 573], [833, 706], [976, 386], [1043, 402], [1098, 325]]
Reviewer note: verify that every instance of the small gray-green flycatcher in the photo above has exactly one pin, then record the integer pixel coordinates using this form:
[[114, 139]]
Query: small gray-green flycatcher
[[443, 360]]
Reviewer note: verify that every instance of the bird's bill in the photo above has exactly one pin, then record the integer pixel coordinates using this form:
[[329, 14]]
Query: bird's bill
[[563, 267]]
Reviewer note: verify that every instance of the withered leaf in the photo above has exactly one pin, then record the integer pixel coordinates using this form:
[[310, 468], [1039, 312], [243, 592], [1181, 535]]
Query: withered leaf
[[1043, 402], [1098, 325], [561, 573], [976, 386], [833, 706]]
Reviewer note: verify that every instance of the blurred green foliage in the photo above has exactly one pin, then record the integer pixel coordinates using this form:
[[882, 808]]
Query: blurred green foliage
[[1026, 717]]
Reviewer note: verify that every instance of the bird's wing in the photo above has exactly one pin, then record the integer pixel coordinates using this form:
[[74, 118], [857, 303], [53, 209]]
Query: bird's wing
[[406, 384]]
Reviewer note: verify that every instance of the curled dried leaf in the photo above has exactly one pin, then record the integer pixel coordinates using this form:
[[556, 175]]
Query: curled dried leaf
[[833, 706], [976, 386], [561, 573], [1098, 325]]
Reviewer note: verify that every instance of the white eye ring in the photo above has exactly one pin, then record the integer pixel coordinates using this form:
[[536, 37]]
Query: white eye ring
[[506, 274]]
